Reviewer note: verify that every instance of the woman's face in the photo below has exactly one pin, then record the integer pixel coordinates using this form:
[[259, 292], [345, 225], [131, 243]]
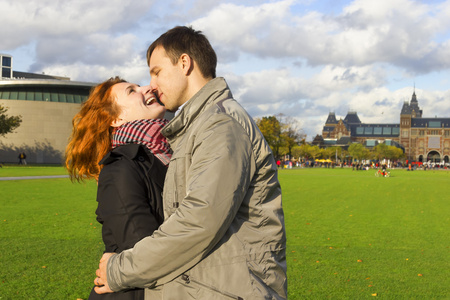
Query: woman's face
[[136, 103]]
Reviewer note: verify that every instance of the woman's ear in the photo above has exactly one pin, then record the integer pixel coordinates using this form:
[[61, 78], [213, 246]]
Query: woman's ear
[[118, 122]]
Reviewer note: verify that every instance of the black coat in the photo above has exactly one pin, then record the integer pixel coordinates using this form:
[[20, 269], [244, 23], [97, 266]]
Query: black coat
[[129, 202]]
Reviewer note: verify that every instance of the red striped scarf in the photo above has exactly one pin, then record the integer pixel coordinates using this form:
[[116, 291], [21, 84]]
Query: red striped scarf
[[146, 132]]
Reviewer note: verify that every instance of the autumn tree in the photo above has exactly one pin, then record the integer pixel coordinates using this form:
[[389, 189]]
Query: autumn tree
[[8, 123], [270, 127], [292, 134], [281, 131]]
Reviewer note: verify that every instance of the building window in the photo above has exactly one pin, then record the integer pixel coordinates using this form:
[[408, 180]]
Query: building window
[[395, 131], [6, 72], [387, 130], [434, 142], [6, 61], [413, 132], [434, 124], [377, 131], [405, 133], [6, 66], [421, 132], [434, 132], [370, 143], [447, 133]]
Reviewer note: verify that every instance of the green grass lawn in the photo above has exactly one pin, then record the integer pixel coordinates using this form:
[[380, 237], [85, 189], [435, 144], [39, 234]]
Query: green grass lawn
[[31, 170], [350, 235], [354, 236]]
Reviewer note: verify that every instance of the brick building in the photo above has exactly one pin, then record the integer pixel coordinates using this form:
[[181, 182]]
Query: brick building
[[422, 139]]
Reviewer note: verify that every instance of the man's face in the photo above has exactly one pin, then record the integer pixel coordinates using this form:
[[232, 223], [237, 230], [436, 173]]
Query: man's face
[[168, 81]]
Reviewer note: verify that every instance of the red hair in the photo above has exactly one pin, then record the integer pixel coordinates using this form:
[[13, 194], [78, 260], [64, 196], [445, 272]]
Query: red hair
[[92, 132]]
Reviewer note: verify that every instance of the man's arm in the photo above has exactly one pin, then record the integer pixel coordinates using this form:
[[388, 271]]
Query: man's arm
[[218, 177]]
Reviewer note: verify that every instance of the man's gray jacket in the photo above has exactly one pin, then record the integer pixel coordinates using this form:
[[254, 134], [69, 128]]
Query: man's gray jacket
[[223, 236]]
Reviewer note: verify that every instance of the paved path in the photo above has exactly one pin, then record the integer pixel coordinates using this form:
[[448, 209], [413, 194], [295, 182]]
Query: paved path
[[33, 177]]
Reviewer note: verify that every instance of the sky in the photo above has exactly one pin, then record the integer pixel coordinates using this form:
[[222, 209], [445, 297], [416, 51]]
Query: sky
[[300, 58]]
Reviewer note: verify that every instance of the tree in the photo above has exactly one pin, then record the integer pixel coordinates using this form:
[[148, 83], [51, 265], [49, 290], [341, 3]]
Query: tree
[[7, 123], [380, 151], [396, 153], [281, 131], [270, 127], [358, 151], [383, 151], [314, 151], [291, 132]]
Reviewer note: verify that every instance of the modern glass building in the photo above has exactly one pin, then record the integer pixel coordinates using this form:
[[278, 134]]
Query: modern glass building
[[47, 105]]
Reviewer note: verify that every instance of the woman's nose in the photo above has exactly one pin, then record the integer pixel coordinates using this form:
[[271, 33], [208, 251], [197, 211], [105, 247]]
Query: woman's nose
[[146, 89]]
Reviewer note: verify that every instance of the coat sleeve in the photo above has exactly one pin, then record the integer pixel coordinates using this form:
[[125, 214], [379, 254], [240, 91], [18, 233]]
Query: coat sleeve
[[217, 178], [123, 206]]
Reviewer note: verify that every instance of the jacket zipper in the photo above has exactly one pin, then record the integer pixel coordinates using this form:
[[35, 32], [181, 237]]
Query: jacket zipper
[[187, 279]]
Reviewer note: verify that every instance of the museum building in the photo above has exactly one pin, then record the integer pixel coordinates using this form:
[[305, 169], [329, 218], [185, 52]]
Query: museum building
[[47, 105], [422, 139]]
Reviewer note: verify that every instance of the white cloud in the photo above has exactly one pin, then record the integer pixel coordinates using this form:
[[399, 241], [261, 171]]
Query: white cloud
[[289, 56]]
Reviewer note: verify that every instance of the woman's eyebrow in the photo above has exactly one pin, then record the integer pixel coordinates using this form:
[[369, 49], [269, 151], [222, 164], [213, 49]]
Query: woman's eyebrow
[[131, 86]]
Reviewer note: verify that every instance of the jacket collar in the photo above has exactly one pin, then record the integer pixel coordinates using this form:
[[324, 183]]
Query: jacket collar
[[130, 151], [215, 90]]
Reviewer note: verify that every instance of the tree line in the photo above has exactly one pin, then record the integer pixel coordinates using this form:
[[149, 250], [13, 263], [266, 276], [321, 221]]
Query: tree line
[[286, 139]]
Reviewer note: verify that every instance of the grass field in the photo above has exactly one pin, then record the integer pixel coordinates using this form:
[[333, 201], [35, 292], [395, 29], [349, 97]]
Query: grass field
[[350, 235]]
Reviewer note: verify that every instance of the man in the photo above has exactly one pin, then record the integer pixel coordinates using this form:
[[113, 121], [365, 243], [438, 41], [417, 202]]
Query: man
[[223, 236]]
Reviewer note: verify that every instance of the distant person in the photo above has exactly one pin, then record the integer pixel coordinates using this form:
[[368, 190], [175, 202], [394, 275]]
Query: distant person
[[223, 236], [383, 169], [117, 139], [22, 158]]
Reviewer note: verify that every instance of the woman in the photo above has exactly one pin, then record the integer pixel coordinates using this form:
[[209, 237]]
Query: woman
[[116, 139]]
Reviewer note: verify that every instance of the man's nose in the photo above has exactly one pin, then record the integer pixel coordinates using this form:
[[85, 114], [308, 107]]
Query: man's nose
[[146, 89]]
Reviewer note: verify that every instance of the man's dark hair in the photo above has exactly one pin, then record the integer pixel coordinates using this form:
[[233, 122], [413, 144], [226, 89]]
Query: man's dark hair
[[183, 39]]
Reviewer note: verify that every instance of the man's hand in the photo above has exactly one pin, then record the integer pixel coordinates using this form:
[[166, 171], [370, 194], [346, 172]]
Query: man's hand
[[101, 281]]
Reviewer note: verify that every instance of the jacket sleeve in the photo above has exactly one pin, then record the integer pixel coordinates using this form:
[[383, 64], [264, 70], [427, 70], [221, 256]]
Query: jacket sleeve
[[123, 206], [217, 179]]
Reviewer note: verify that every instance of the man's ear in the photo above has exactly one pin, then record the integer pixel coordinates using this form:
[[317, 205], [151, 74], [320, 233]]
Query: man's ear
[[118, 122], [186, 63]]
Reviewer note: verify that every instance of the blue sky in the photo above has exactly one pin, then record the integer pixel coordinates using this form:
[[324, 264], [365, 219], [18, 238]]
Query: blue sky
[[300, 58]]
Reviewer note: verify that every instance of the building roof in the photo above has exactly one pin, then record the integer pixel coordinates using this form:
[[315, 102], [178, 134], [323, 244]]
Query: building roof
[[52, 90], [406, 109], [430, 122], [26, 75], [352, 118], [331, 118], [375, 130]]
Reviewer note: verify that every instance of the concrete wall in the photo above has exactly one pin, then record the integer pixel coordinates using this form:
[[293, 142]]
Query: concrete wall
[[43, 133]]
